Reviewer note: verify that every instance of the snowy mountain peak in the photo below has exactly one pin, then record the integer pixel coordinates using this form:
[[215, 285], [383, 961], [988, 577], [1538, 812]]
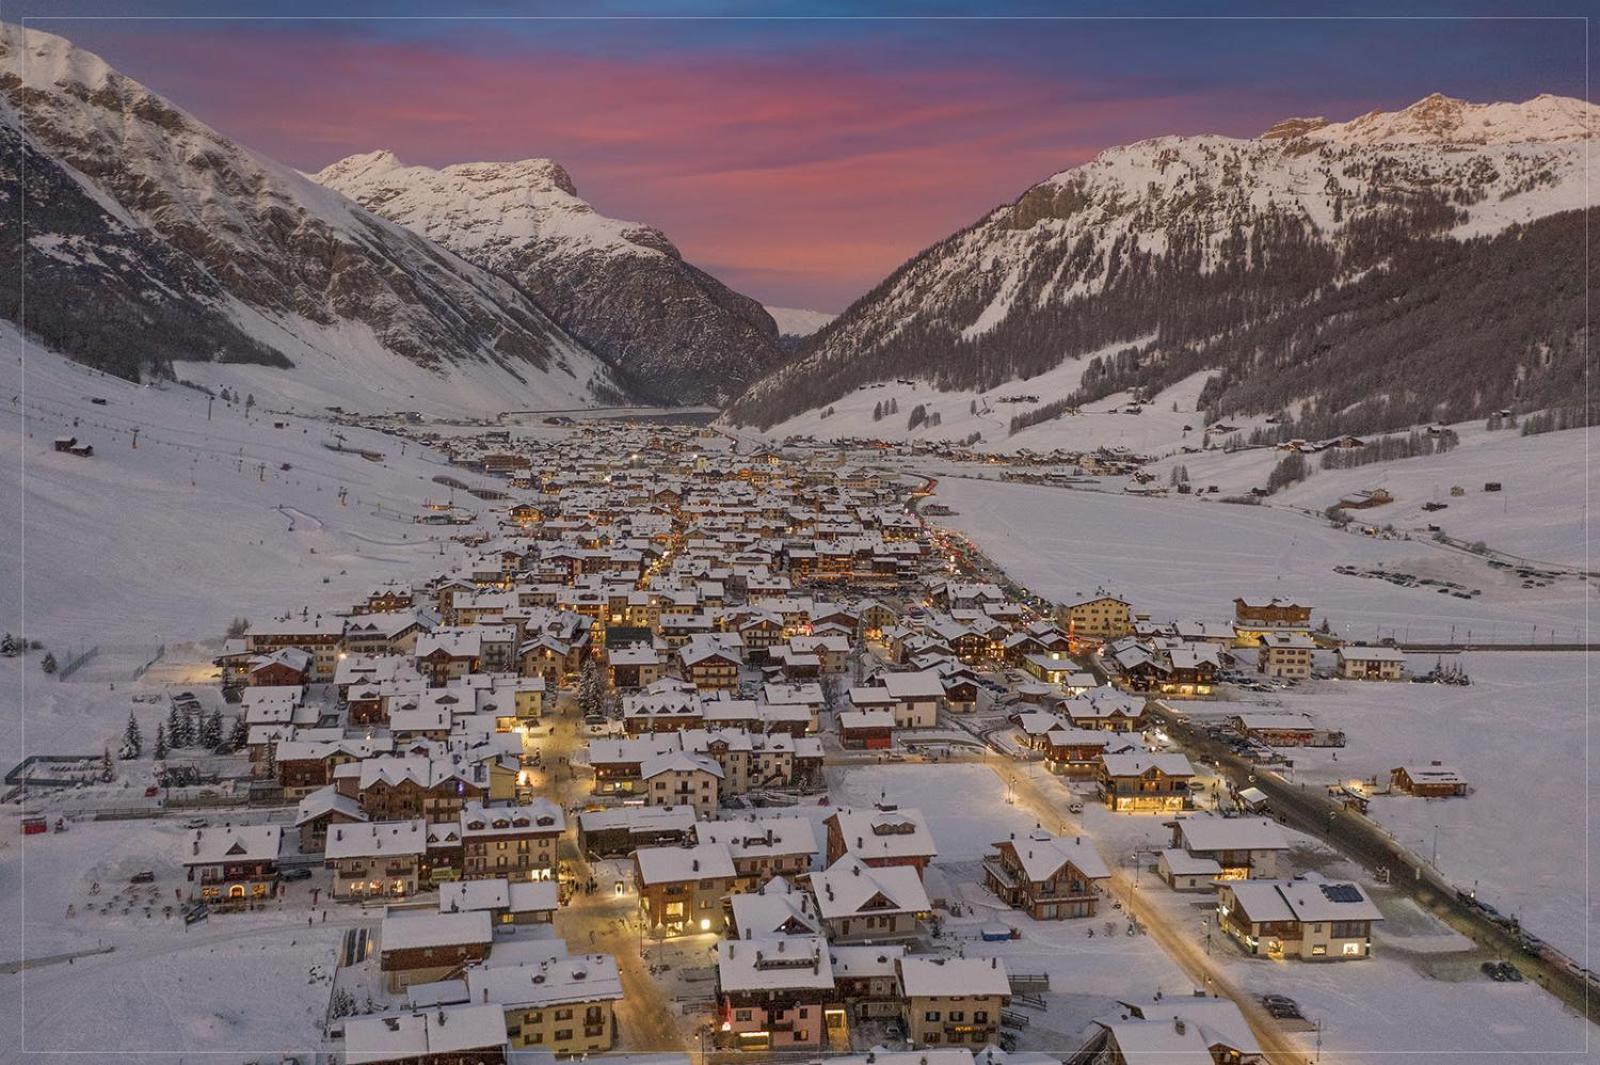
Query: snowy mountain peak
[[621, 287], [472, 205], [1440, 119]]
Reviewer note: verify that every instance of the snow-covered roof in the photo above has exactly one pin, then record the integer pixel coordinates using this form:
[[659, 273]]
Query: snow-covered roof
[[583, 978], [922, 977], [437, 1030], [1232, 834], [670, 865], [1042, 855], [377, 839], [850, 887], [407, 930], [239, 843], [780, 963], [875, 834]]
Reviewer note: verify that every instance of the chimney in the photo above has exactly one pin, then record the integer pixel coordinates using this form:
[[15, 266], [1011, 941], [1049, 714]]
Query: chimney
[[1178, 1025]]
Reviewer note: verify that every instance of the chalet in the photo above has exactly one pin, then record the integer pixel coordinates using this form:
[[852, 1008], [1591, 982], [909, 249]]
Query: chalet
[[285, 666], [868, 730], [682, 778], [776, 994], [1145, 783], [681, 888], [1047, 877], [634, 666], [764, 847], [376, 859], [1251, 621], [515, 842], [560, 1006], [710, 666], [881, 837], [1310, 918], [1181, 1030], [1432, 781], [953, 1001], [619, 831], [1106, 708], [320, 811], [447, 655], [1243, 848], [1097, 619], [1356, 662], [1285, 654], [418, 947], [234, 865], [860, 903]]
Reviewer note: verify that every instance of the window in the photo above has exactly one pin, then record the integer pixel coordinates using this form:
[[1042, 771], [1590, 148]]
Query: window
[[564, 1014], [933, 1037], [980, 1016], [958, 1015], [741, 1015], [931, 1015], [563, 1035]]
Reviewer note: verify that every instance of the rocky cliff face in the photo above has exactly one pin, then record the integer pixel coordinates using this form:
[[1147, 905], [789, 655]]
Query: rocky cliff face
[[254, 259], [621, 288], [1269, 260]]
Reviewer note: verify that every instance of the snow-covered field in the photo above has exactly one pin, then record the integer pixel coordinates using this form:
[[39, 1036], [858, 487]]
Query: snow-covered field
[[1179, 557], [1541, 512], [232, 988], [1519, 733]]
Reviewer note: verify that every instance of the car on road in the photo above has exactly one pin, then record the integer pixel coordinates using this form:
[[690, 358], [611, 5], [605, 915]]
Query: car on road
[[143, 876], [196, 822], [196, 912], [299, 872]]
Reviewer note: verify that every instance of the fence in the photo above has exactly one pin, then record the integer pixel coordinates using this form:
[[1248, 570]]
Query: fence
[[76, 662]]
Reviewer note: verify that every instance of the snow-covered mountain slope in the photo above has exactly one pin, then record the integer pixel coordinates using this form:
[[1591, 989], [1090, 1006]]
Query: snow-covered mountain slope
[[1333, 263], [798, 322], [620, 287], [241, 260], [109, 548]]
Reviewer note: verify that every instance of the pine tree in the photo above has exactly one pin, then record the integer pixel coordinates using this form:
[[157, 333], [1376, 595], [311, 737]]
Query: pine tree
[[591, 689], [239, 735], [877, 411], [211, 732], [161, 742], [48, 663], [132, 739], [107, 772], [176, 729]]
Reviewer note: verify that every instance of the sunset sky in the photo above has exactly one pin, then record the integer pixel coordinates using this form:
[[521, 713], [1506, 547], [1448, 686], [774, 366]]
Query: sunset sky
[[801, 159]]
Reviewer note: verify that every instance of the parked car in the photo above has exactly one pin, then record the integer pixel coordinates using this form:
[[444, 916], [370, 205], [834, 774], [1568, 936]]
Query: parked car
[[195, 912], [143, 876], [298, 872]]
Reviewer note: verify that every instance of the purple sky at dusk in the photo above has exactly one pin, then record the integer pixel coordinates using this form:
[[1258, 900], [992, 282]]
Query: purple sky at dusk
[[802, 161]]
